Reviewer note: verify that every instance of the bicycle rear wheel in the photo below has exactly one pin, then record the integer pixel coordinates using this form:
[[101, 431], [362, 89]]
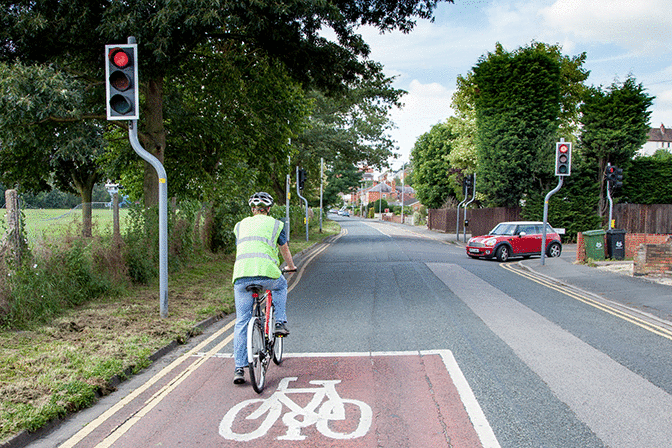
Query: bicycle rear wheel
[[278, 349], [256, 353]]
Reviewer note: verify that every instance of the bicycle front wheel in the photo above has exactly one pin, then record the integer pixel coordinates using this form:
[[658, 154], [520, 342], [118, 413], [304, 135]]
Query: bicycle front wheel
[[255, 354]]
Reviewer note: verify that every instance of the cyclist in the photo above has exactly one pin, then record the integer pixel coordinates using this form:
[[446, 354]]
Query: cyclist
[[257, 241]]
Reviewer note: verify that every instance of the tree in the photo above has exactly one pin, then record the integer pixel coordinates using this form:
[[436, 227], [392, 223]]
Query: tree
[[646, 180], [342, 177], [71, 35], [615, 124], [465, 153], [517, 103], [431, 167], [35, 148], [349, 127]]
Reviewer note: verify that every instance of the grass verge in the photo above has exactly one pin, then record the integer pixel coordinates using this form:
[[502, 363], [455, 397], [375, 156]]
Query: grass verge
[[48, 371]]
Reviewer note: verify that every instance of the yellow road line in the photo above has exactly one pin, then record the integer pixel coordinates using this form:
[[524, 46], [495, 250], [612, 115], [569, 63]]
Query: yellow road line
[[653, 328], [102, 418], [160, 395]]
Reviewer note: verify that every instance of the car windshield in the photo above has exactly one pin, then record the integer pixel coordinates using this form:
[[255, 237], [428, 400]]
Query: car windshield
[[503, 229]]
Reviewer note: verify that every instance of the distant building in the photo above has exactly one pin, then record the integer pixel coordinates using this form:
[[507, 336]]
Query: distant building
[[659, 138]]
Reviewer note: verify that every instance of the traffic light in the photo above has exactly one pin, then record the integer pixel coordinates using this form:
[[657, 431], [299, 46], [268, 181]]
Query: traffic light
[[302, 178], [121, 80], [614, 176], [469, 180], [563, 159], [619, 178]]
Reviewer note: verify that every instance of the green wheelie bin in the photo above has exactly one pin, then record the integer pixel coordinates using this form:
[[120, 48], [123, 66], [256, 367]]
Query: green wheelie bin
[[594, 244]]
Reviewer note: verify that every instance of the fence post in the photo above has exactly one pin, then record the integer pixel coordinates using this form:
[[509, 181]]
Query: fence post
[[14, 241]]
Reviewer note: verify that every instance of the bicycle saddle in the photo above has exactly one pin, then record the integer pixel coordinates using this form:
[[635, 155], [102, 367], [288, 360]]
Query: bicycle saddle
[[254, 288]]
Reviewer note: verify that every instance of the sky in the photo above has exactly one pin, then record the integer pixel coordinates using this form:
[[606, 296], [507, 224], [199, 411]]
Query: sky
[[620, 38]]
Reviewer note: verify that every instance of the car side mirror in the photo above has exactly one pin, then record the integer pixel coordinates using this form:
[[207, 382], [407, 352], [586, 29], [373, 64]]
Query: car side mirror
[[522, 234]]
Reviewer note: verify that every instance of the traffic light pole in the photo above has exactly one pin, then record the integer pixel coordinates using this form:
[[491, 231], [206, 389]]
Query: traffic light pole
[[305, 201], [543, 232], [611, 204], [473, 196], [163, 215], [457, 220]]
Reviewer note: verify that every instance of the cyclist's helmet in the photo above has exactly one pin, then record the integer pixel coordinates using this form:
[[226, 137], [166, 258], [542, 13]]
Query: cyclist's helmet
[[261, 199]]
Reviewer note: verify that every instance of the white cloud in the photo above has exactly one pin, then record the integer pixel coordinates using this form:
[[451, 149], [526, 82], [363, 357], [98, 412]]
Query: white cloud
[[641, 26], [424, 106]]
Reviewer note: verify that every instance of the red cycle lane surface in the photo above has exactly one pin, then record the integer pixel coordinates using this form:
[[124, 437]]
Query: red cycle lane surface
[[360, 400]]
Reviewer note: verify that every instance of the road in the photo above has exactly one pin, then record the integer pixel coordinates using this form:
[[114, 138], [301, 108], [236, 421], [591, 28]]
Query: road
[[401, 340]]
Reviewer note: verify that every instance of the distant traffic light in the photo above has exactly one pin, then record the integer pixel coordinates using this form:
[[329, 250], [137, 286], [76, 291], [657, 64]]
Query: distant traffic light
[[614, 176], [618, 181], [563, 159], [302, 178], [610, 174], [121, 85]]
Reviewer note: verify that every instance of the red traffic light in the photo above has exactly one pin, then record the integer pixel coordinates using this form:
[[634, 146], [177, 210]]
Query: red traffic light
[[119, 57], [121, 71], [563, 155]]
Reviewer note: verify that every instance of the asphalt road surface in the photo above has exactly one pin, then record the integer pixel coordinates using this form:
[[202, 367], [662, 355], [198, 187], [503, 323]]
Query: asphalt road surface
[[401, 340]]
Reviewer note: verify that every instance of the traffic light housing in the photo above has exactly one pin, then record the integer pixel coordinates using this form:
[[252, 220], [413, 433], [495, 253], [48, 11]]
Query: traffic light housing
[[121, 82], [469, 180], [614, 176], [302, 178], [618, 180], [563, 159]]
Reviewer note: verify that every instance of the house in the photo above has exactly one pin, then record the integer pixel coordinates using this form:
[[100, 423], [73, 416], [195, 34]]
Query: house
[[659, 138]]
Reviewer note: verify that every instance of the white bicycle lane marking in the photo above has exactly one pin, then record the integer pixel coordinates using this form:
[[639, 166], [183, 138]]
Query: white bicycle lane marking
[[320, 413], [317, 412]]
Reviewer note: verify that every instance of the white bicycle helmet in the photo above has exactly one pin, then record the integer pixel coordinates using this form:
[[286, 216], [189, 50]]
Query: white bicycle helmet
[[260, 199]]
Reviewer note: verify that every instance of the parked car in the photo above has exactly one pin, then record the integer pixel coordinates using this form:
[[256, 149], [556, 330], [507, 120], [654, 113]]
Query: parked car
[[515, 239]]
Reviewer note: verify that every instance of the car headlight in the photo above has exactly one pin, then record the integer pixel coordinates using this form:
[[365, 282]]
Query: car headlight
[[490, 242]]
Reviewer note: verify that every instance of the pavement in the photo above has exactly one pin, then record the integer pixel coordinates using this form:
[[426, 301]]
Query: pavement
[[640, 295]]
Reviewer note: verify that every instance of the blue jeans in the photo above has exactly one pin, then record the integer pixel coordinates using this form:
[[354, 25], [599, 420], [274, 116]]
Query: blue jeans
[[244, 304]]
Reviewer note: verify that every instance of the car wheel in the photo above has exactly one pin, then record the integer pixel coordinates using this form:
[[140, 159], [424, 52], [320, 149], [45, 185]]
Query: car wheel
[[554, 250], [502, 253]]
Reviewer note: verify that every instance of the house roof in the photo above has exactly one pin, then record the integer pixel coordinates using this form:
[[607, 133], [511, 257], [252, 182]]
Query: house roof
[[382, 187], [660, 134], [407, 189]]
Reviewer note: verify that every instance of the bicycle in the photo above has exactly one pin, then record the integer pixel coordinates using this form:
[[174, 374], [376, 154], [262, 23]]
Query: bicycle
[[262, 343]]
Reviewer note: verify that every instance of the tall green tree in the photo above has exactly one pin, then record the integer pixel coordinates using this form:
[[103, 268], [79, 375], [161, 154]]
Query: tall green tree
[[431, 169], [615, 124], [571, 76], [71, 35], [517, 104]]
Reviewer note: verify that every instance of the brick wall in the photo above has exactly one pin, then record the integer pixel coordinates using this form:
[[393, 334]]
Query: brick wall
[[580, 248], [633, 240], [653, 259], [632, 243]]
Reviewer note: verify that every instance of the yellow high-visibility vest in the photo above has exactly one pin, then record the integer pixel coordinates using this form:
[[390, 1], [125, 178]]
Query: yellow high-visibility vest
[[257, 247]]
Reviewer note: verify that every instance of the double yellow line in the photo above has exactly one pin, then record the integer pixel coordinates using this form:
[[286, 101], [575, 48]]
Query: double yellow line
[[614, 311], [154, 399], [171, 385]]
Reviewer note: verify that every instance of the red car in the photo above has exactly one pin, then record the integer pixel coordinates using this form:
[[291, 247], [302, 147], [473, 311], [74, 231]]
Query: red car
[[515, 239]]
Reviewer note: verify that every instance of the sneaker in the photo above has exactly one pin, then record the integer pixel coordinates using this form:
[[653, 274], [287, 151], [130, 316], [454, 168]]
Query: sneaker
[[239, 375], [281, 330]]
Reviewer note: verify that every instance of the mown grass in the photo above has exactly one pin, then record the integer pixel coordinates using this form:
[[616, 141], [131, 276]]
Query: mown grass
[[46, 223], [52, 369]]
